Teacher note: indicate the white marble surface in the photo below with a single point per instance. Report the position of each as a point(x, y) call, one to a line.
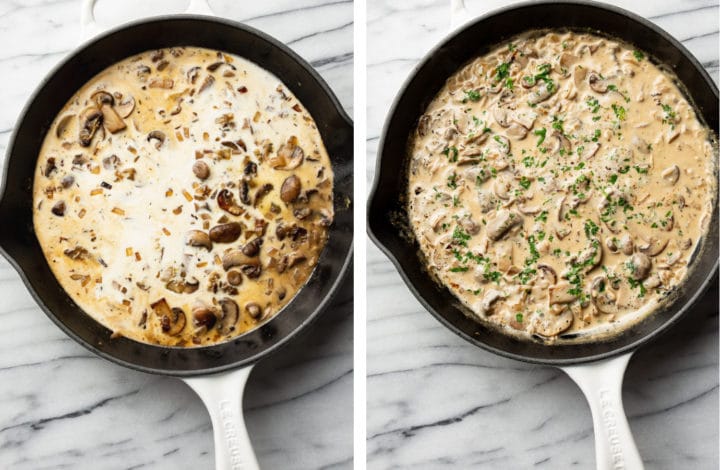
point(435, 401)
point(61, 407)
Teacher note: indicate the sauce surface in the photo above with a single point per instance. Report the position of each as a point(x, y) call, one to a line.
point(183, 196)
point(560, 184)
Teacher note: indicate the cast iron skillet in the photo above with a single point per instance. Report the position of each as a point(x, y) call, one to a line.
point(387, 218)
point(18, 242)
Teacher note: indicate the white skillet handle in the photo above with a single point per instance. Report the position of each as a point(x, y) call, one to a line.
point(222, 395)
point(601, 382)
point(458, 14)
point(89, 27)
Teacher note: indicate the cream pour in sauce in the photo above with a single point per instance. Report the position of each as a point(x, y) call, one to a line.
point(196, 209)
point(560, 184)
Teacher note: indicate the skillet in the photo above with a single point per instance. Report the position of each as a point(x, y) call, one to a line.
point(597, 367)
point(217, 373)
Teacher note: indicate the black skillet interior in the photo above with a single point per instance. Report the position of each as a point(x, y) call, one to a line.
point(386, 214)
point(20, 246)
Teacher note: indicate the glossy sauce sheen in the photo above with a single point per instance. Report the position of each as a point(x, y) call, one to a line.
point(560, 184)
point(126, 221)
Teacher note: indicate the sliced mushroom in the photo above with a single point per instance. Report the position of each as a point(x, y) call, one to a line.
point(253, 309)
point(172, 321)
point(226, 201)
point(640, 144)
point(230, 315)
point(589, 150)
point(501, 188)
point(125, 107)
point(547, 273)
point(183, 286)
point(262, 191)
point(485, 306)
point(516, 132)
point(58, 208)
point(234, 278)
point(198, 238)
point(639, 266)
point(602, 297)
point(501, 116)
point(225, 233)
point(290, 189)
point(90, 121)
point(668, 223)
point(625, 244)
point(201, 170)
point(63, 125)
point(501, 224)
point(653, 246)
point(204, 317)
point(527, 120)
point(596, 83)
point(235, 258)
point(158, 137)
point(562, 142)
point(560, 294)
point(502, 144)
point(671, 174)
point(550, 324)
point(529, 210)
point(289, 156)
point(207, 83)
point(192, 74)
point(541, 93)
point(112, 121)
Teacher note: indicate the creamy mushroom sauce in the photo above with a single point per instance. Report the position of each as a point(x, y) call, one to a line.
point(560, 184)
point(183, 196)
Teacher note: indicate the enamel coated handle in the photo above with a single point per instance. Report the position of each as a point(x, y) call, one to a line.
point(89, 26)
point(222, 395)
point(601, 382)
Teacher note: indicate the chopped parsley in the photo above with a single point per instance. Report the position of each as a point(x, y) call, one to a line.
point(613, 178)
point(525, 182)
point(452, 183)
point(638, 55)
point(593, 104)
point(542, 217)
point(460, 236)
point(670, 115)
point(502, 71)
point(619, 112)
point(451, 153)
point(540, 133)
point(459, 269)
point(472, 95)
point(596, 135)
point(519, 317)
point(591, 228)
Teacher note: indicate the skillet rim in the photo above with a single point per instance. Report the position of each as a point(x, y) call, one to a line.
point(344, 262)
point(631, 345)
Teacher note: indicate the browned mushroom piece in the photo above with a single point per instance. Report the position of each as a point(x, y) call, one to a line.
point(671, 174)
point(225, 233)
point(560, 293)
point(58, 208)
point(541, 93)
point(230, 315)
point(563, 143)
point(262, 191)
point(602, 297)
point(90, 121)
point(125, 107)
point(77, 253)
point(244, 192)
point(192, 74)
point(252, 248)
point(294, 259)
point(172, 321)
point(639, 266)
point(501, 116)
point(288, 157)
point(198, 238)
point(596, 83)
point(216, 65)
point(234, 278)
point(207, 83)
point(236, 258)
point(183, 286)
point(112, 121)
point(201, 170)
point(652, 246)
point(226, 201)
point(62, 125)
point(547, 273)
point(253, 309)
point(204, 317)
point(67, 181)
point(157, 136)
point(290, 189)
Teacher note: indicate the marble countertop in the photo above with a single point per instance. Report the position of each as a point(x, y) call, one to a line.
point(62, 407)
point(436, 401)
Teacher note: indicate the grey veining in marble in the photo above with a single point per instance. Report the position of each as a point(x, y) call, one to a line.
point(60, 406)
point(435, 401)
